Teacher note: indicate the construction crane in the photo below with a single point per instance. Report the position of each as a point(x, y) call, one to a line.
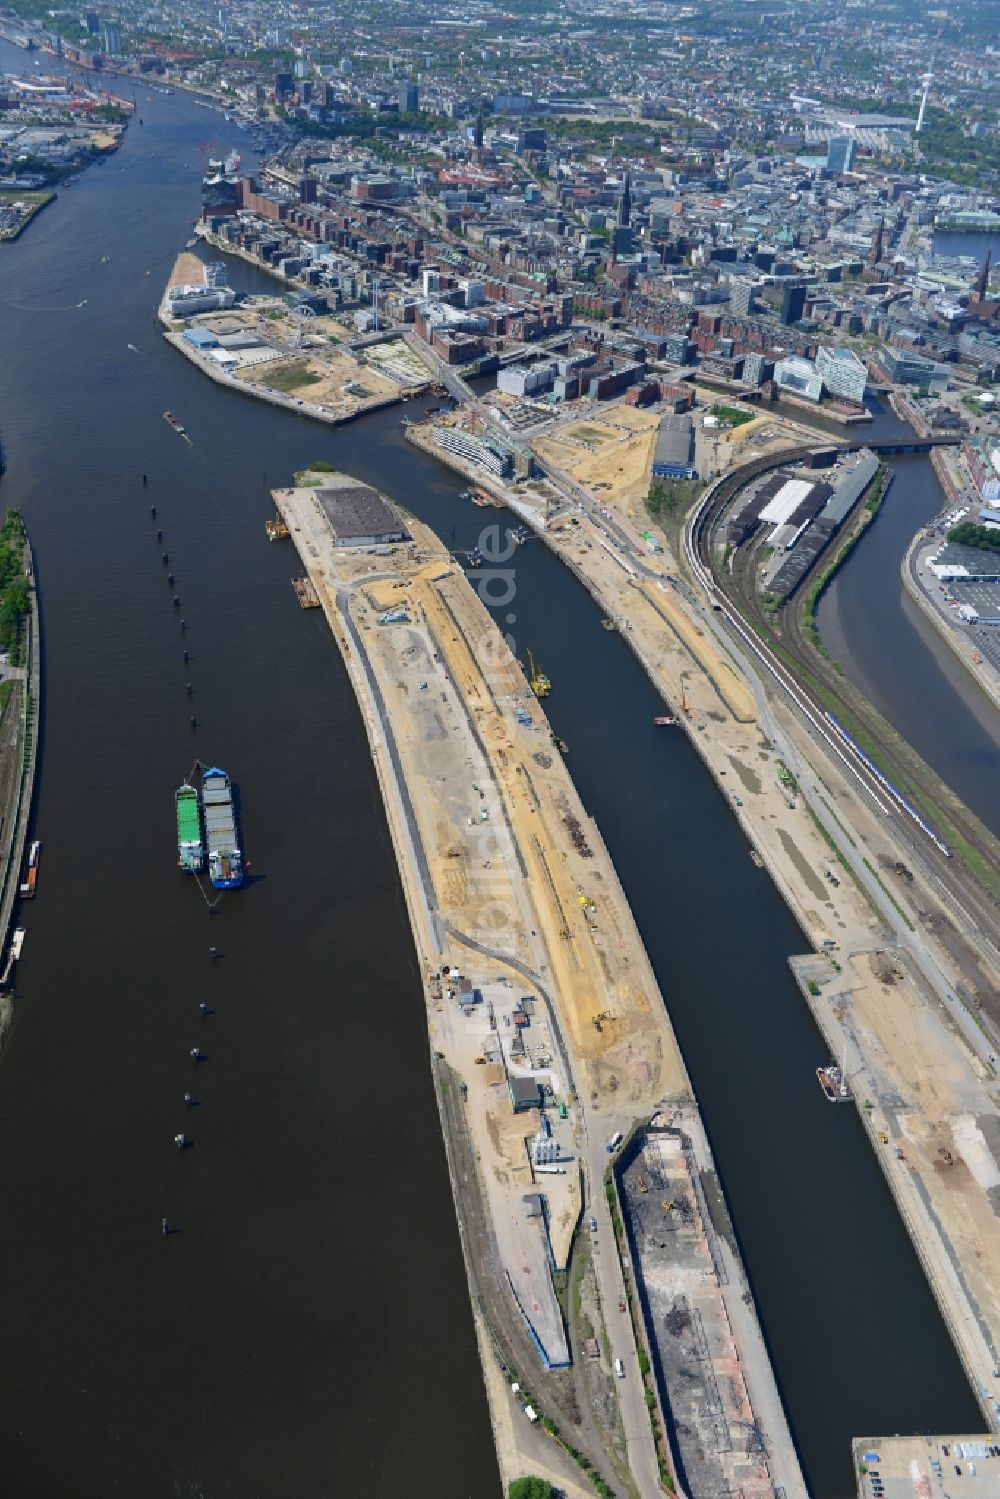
point(537, 680)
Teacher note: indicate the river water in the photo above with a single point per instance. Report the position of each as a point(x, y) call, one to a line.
point(307, 1331)
point(895, 655)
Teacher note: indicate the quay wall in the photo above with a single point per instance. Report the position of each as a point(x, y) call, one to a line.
point(963, 651)
point(272, 397)
point(27, 750)
point(921, 1233)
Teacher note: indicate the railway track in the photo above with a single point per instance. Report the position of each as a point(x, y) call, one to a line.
point(786, 657)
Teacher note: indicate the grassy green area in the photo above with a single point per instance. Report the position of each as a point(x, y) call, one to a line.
point(35, 201)
point(19, 195)
point(6, 688)
point(732, 415)
point(968, 534)
point(13, 585)
point(971, 403)
point(818, 587)
point(294, 377)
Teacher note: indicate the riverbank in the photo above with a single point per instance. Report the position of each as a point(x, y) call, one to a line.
point(446, 705)
point(938, 1159)
point(17, 777)
point(8, 233)
point(329, 370)
point(983, 672)
point(804, 821)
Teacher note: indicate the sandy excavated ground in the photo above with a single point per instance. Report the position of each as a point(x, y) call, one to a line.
point(335, 370)
point(188, 271)
point(611, 454)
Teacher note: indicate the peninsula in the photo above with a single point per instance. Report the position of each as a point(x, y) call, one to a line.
point(550, 1040)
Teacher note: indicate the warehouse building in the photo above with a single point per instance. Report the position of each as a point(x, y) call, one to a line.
point(358, 515)
point(674, 442)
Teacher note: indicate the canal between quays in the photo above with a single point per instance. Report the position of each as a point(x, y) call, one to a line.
point(307, 1329)
point(888, 648)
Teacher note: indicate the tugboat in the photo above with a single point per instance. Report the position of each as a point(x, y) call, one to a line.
point(665, 721)
point(834, 1085)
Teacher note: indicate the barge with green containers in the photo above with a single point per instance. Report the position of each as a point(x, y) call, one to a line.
point(190, 840)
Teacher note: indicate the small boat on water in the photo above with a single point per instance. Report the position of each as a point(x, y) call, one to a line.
point(172, 421)
point(665, 721)
point(276, 529)
point(755, 856)
point(832, 1081)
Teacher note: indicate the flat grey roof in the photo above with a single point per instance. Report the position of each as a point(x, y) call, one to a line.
point(359, 510)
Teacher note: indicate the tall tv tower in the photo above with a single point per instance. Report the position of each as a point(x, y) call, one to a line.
point(926, 80)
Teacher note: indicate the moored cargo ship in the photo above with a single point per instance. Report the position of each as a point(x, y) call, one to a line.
point(27, 890)
point(190, 843)
point(225, 862)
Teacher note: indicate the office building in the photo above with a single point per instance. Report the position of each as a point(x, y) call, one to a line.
point(531, 138)
point(409, 97)
point(621, 240)
point(757, 368)
point(903, 367)
point(678, 348)
point(843, 373)
point(799, 377)
point(284, 86)
point(93, 22)
point(112, 39)
point(793, 303)
point(741, 299)
point(840, 153)
point(484, 452)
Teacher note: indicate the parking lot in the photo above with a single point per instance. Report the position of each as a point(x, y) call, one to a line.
point(961, 1467)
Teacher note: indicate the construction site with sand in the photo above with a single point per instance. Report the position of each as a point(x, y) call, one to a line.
point(549, 1035)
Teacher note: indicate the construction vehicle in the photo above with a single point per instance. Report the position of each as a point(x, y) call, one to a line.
point(883, 1137)
point(537, 680)
point(667, 1204)
point(643, 1184)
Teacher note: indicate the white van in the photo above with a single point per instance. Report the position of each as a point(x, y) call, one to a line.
point(619, 1368)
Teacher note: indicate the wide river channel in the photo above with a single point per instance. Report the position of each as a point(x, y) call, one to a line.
point(307, 1332)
